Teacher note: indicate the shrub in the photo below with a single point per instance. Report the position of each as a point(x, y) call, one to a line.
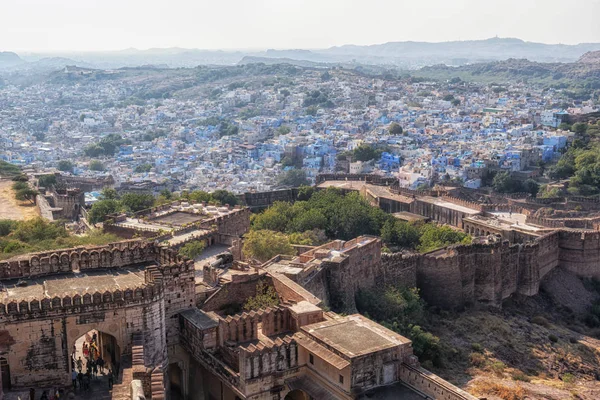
point(568, 378)
point(497, 367)
point(477, 347)
point(477, 359)
point(539, 320)
point(192, 249)
point(520, 376)
point(553, 338)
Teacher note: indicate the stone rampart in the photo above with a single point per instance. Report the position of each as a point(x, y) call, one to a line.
point(76, 304)
point(114, 255)
point(368, 178)
point(431, 385)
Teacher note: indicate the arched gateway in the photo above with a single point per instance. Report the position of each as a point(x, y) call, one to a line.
point(118, 292)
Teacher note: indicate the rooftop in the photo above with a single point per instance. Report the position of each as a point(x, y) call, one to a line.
point(355, 335)
point(73, 283)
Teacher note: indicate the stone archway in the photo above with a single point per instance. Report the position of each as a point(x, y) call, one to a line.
point(297, 395)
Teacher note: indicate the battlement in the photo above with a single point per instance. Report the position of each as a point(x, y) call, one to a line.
point(243, 327)
point(368, 178)
point(78, 303)
point(80, 259)
point(465, 203)
point(267, 358)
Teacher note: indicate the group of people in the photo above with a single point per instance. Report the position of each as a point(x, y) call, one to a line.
point(94, 363)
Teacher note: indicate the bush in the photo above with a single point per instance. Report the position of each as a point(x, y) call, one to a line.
point(568, 378)
point(520, 376)
point(266, 296)
point(477, 347)
point(477, 359)
point(539, 320)
point(497, 367)
point(193, 249)
point(553, 338)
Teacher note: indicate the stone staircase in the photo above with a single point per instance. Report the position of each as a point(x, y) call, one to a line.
point(121, 388)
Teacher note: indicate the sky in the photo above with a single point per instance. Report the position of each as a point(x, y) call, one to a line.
point(99, 25)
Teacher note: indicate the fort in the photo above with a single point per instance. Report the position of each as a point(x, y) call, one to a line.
point(164, 339)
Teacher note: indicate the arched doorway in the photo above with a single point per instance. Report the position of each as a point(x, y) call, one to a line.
point(5, 373)
point(95, 357)
point(175, 375)
point(297, 395)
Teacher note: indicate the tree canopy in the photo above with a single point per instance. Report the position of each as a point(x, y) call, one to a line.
point(263, 245)
point(293, 178)
point(395, 129)
point(192, 249)
point(65, 166)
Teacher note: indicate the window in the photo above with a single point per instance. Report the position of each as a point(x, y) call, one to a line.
point(342, 379)
point(311, 359)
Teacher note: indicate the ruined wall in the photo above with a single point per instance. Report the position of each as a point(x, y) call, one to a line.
point(260, 200)
point(234, 293)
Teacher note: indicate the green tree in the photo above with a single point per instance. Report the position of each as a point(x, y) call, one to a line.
point(102, 208)
point(192, 249)
point(143, 168)
point(224, 197)
point(283, 130)
point(26, 194)
point(503, 182)
point(109, 193)
point(47, 180)
point(266, 296)
point(435, 237)
point(293, 178)
point(96, 165)
point(365, 152)
point(65, 166)
point(395, 129)
point(531, 187)
point(137, 201)
point(263, 245)
point(312, 110)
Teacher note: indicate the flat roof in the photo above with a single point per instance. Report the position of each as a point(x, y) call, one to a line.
point(446, 204)
point(199, 318)
point(73, 283)
point(355, 335)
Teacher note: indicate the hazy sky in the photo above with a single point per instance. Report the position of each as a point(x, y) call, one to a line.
point(58, 25)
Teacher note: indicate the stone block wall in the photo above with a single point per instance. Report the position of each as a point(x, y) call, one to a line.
point(431, 385)
point(257, 362)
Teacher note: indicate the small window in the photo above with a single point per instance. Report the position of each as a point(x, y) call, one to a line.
point(342, 379)
point(311, 359)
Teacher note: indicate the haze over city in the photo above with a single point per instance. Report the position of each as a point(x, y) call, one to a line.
point(75, 25)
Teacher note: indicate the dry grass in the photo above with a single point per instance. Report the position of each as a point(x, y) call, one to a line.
point(10, 208)
point(489, 388)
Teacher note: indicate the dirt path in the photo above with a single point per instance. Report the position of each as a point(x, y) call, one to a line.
point(10, 208)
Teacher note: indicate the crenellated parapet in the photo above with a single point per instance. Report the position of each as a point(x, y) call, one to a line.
point(77, 303)
point(465, 203)
point(243, 327)
point(265, 359)
point(114, 255)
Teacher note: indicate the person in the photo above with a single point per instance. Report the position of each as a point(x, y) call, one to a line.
point(56, 394)
point(79, 364)
point(95, 369)
point(44, 395)
point(94, 337)
point(86, 381)
point(86, 350)
point(110, 379)
point(100, 363)
point(32, 394)
point(80, 379)
point(74, 379)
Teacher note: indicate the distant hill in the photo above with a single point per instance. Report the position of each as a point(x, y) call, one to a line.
point(409, 55)
point(591, 57)
point(581, 76)
point(9, 59)
point(462, 52)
